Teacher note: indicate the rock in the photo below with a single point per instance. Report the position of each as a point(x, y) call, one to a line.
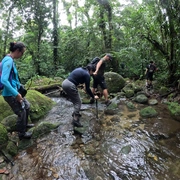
point(114, 81)
point(141, 99)
point(148, 112)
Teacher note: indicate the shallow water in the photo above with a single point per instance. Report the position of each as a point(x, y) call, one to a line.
point(116, 147)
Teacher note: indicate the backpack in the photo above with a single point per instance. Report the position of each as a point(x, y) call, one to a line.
point(10, 76)
point(151, 68)
point(95, 61)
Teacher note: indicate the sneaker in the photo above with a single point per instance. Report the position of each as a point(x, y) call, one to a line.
point(30, 125)
point(108, 102)
point(77, 123)
point(26, 135)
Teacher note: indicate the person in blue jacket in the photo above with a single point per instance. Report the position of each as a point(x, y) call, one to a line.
point(11, 87)
point(78, 76)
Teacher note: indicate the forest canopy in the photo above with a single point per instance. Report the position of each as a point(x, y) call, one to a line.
point(134, 32)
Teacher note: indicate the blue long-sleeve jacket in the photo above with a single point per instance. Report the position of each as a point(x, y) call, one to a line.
point(81, 76)
point(10, 86)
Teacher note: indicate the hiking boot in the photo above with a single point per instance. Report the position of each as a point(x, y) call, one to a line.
point(77, 123)
point(108, 102)
point(26, 135)
point(30, 125)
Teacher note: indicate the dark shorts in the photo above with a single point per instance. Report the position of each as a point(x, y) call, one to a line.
point(149, 76)
point(99, 80)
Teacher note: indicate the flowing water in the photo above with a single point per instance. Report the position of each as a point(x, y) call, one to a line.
point(113, 147)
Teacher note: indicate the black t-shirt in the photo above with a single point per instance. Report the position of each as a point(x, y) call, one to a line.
point(151, 68)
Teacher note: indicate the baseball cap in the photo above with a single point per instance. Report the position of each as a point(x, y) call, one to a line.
point(110, 56)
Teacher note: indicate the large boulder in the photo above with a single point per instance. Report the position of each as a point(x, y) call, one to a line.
point(115, 82)
point(40, 104)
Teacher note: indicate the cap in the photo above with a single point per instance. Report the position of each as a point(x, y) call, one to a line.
point(110, 56)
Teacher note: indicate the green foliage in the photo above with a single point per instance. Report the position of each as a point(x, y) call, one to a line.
point(135, 33)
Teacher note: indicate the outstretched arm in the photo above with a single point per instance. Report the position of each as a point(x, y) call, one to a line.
point(98, 66)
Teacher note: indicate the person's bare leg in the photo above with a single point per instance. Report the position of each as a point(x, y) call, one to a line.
point(93, 90)
point(105, 93)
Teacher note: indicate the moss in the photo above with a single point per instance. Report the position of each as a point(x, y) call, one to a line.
point(43, 128)
point(12, 148)
point(40, 104)
point(38, 81)
point(148, 112)
point(174, 109)
point(3, 134)
point(5, 109)
point(10, 122)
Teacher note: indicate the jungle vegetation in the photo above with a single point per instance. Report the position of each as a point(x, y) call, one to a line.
point(134, 32)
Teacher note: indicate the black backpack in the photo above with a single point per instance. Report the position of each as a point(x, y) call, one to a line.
point(95, 61)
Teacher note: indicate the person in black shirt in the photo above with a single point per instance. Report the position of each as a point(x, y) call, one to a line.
point(150, 69)
point(78, 76)
point(99, 79)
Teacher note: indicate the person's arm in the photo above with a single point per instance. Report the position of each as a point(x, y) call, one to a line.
point(87, 86)
point(6, 71)
point(99, 65)
point(146, 71)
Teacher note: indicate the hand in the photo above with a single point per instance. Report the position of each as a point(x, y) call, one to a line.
point(19, 98)
point(96, 97)
point(95, 73)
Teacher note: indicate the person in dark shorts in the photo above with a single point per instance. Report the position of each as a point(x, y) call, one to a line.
point(150, 69)
point(99, 79)
point(78, 76)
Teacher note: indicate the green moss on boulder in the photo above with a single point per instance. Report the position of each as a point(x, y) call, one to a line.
point(42, 129)
point(148, 112)
point(5, 110)
point(12, 148)
point(174, 109)
point(3, 134)
point(115, 82)
point(40, 104)
point(10, 122)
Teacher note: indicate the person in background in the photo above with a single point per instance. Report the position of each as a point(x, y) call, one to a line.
point(78, 76)
point(99, 79)
point(11, 87)
point(150, 69)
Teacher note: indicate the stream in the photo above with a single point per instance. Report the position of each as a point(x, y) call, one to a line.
point(123, 146)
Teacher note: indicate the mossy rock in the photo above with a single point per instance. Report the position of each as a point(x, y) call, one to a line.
point(174, 109)
point(163, 90)
point(112, 109)
point(42, 81)
point(141, 98)
point(42, 129)
point(130, 106)
point(10, 122)
point(129, 93)
point(5, 110)
point(148, 112)
point(114, 81)
point(40, 104)
point(3, 134)
point(12, 148)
